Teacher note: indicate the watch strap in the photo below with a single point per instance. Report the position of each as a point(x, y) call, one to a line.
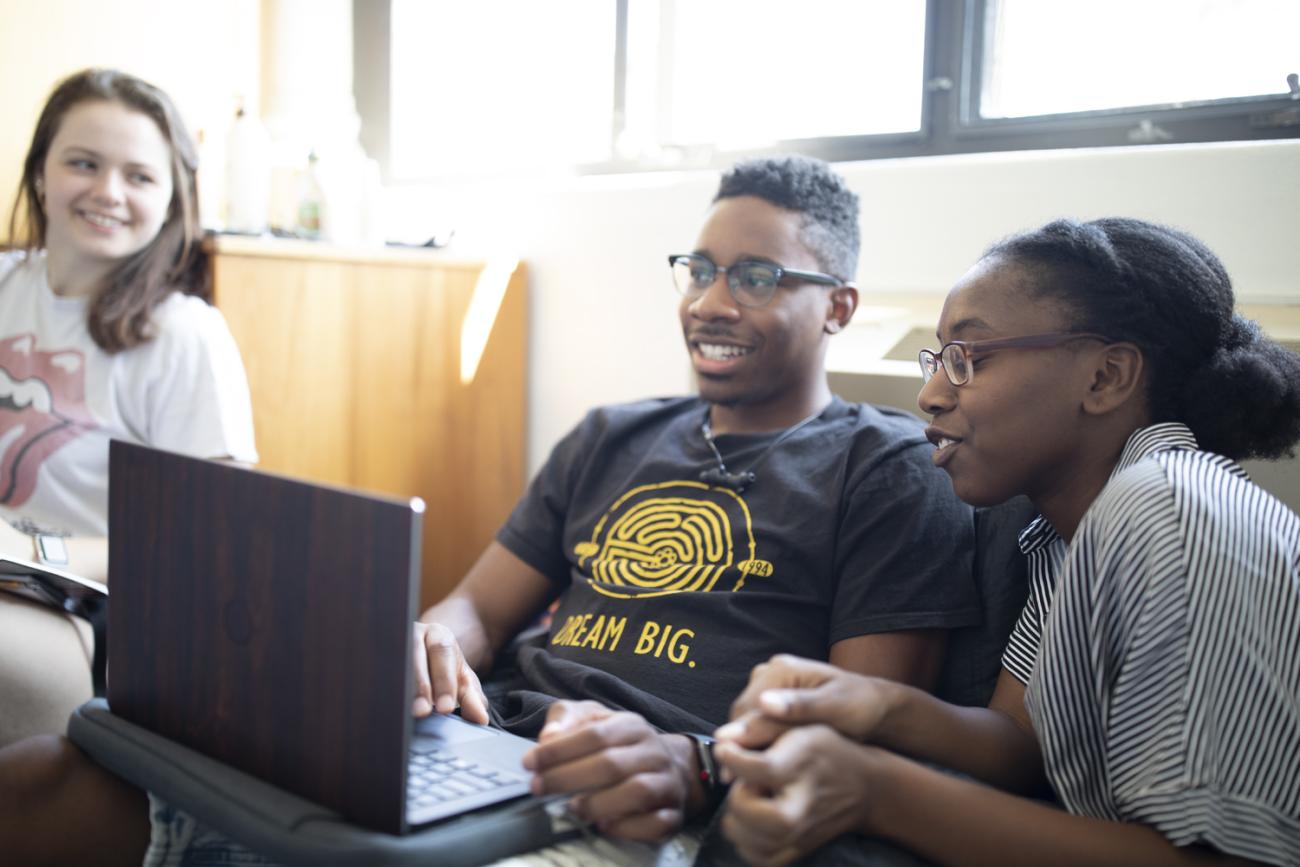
point(714, 789)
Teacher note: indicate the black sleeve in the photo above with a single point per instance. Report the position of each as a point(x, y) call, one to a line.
point(905, 551)
point(534, 532)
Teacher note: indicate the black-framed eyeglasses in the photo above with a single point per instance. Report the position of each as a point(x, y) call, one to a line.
point(751, 283)
point(956, 358)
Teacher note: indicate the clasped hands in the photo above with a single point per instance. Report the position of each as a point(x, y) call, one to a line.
point(795, 756)
point(793, 751)
point(627, 779)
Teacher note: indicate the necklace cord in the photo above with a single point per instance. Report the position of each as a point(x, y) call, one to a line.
point(740, 480)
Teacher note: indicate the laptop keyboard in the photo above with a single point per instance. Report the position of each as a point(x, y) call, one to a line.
point(437, 776)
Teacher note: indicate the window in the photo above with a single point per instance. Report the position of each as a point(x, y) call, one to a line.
point(478, 85)
point(1052, 58)
point(475, 86)
point(737, 74)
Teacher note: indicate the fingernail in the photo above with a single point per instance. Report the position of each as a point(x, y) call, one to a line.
point(775, 702)
point(422, 706)
point(529, 761)
point(730, 730)
point(537, 787)
point(446, 704)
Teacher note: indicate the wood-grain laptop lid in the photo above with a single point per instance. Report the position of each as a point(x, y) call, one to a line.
point(265, 622)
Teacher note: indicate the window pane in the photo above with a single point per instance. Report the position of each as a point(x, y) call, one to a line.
point(748, 72)
point(499, 84)
point(1050, 56)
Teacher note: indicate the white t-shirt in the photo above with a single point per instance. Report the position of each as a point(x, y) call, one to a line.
point(62, 398)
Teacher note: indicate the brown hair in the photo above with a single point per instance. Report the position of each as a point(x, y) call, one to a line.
point(119, 314)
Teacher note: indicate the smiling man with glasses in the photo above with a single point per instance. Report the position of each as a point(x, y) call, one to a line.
point(690, 539)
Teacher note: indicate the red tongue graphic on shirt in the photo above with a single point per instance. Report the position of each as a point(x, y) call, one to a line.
point(42, 408)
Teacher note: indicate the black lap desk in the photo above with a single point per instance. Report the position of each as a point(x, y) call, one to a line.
point(286, 827)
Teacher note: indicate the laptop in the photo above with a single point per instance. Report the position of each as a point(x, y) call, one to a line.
point(267, 622)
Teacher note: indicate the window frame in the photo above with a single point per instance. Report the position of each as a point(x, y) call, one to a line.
point(950, 121)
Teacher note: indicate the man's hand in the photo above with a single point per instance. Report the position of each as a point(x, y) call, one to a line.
point(807, 788)
point(444, 681)
point(787, 691)
point(629, 780)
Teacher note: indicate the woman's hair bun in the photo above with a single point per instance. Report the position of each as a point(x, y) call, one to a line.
point(1242, 402)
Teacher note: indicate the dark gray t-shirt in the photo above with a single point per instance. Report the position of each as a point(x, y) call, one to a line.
point(679, 587)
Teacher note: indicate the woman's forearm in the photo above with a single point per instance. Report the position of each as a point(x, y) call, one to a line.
point(980, 742)
point(954, 821)
point(87, 556)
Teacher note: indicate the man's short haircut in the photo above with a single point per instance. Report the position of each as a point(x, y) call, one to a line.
point(812, 189)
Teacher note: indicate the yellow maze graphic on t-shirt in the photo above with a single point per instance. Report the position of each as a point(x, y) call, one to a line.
point(672, 537)
point(667, 543)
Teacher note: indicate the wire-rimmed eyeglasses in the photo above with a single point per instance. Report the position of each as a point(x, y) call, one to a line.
point(956, 358)
point(751, 283)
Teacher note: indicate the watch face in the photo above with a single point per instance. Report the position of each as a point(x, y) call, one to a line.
point(708, 764)
point(52, 549)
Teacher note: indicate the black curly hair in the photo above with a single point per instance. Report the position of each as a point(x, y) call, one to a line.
point(1166, 292)
point(811, 188)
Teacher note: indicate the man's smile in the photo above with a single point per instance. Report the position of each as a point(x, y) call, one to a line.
point(711, 356)
point(721, 351)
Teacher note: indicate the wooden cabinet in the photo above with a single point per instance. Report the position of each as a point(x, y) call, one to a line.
point(361, 369)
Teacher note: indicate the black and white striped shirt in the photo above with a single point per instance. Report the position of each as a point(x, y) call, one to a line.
point(1161, 652)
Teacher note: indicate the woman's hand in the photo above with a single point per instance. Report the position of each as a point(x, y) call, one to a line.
point(788, 691)
point(87, 555)
point(15, 543)
point(630, 780)
point(807, 788)
point(444, 680)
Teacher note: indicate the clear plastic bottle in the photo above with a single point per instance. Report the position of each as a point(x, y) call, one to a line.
point(248, 175)
point(211, 181)
point(311, 200)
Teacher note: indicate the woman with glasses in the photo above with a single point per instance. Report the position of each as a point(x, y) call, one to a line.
point(1152, 684)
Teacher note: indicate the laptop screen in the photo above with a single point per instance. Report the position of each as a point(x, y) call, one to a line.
point(265, 622)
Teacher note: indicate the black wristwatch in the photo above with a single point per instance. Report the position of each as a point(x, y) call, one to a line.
point(714, 789)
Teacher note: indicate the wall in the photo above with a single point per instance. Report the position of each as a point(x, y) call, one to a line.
point(604, 322)
point(202, 53)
